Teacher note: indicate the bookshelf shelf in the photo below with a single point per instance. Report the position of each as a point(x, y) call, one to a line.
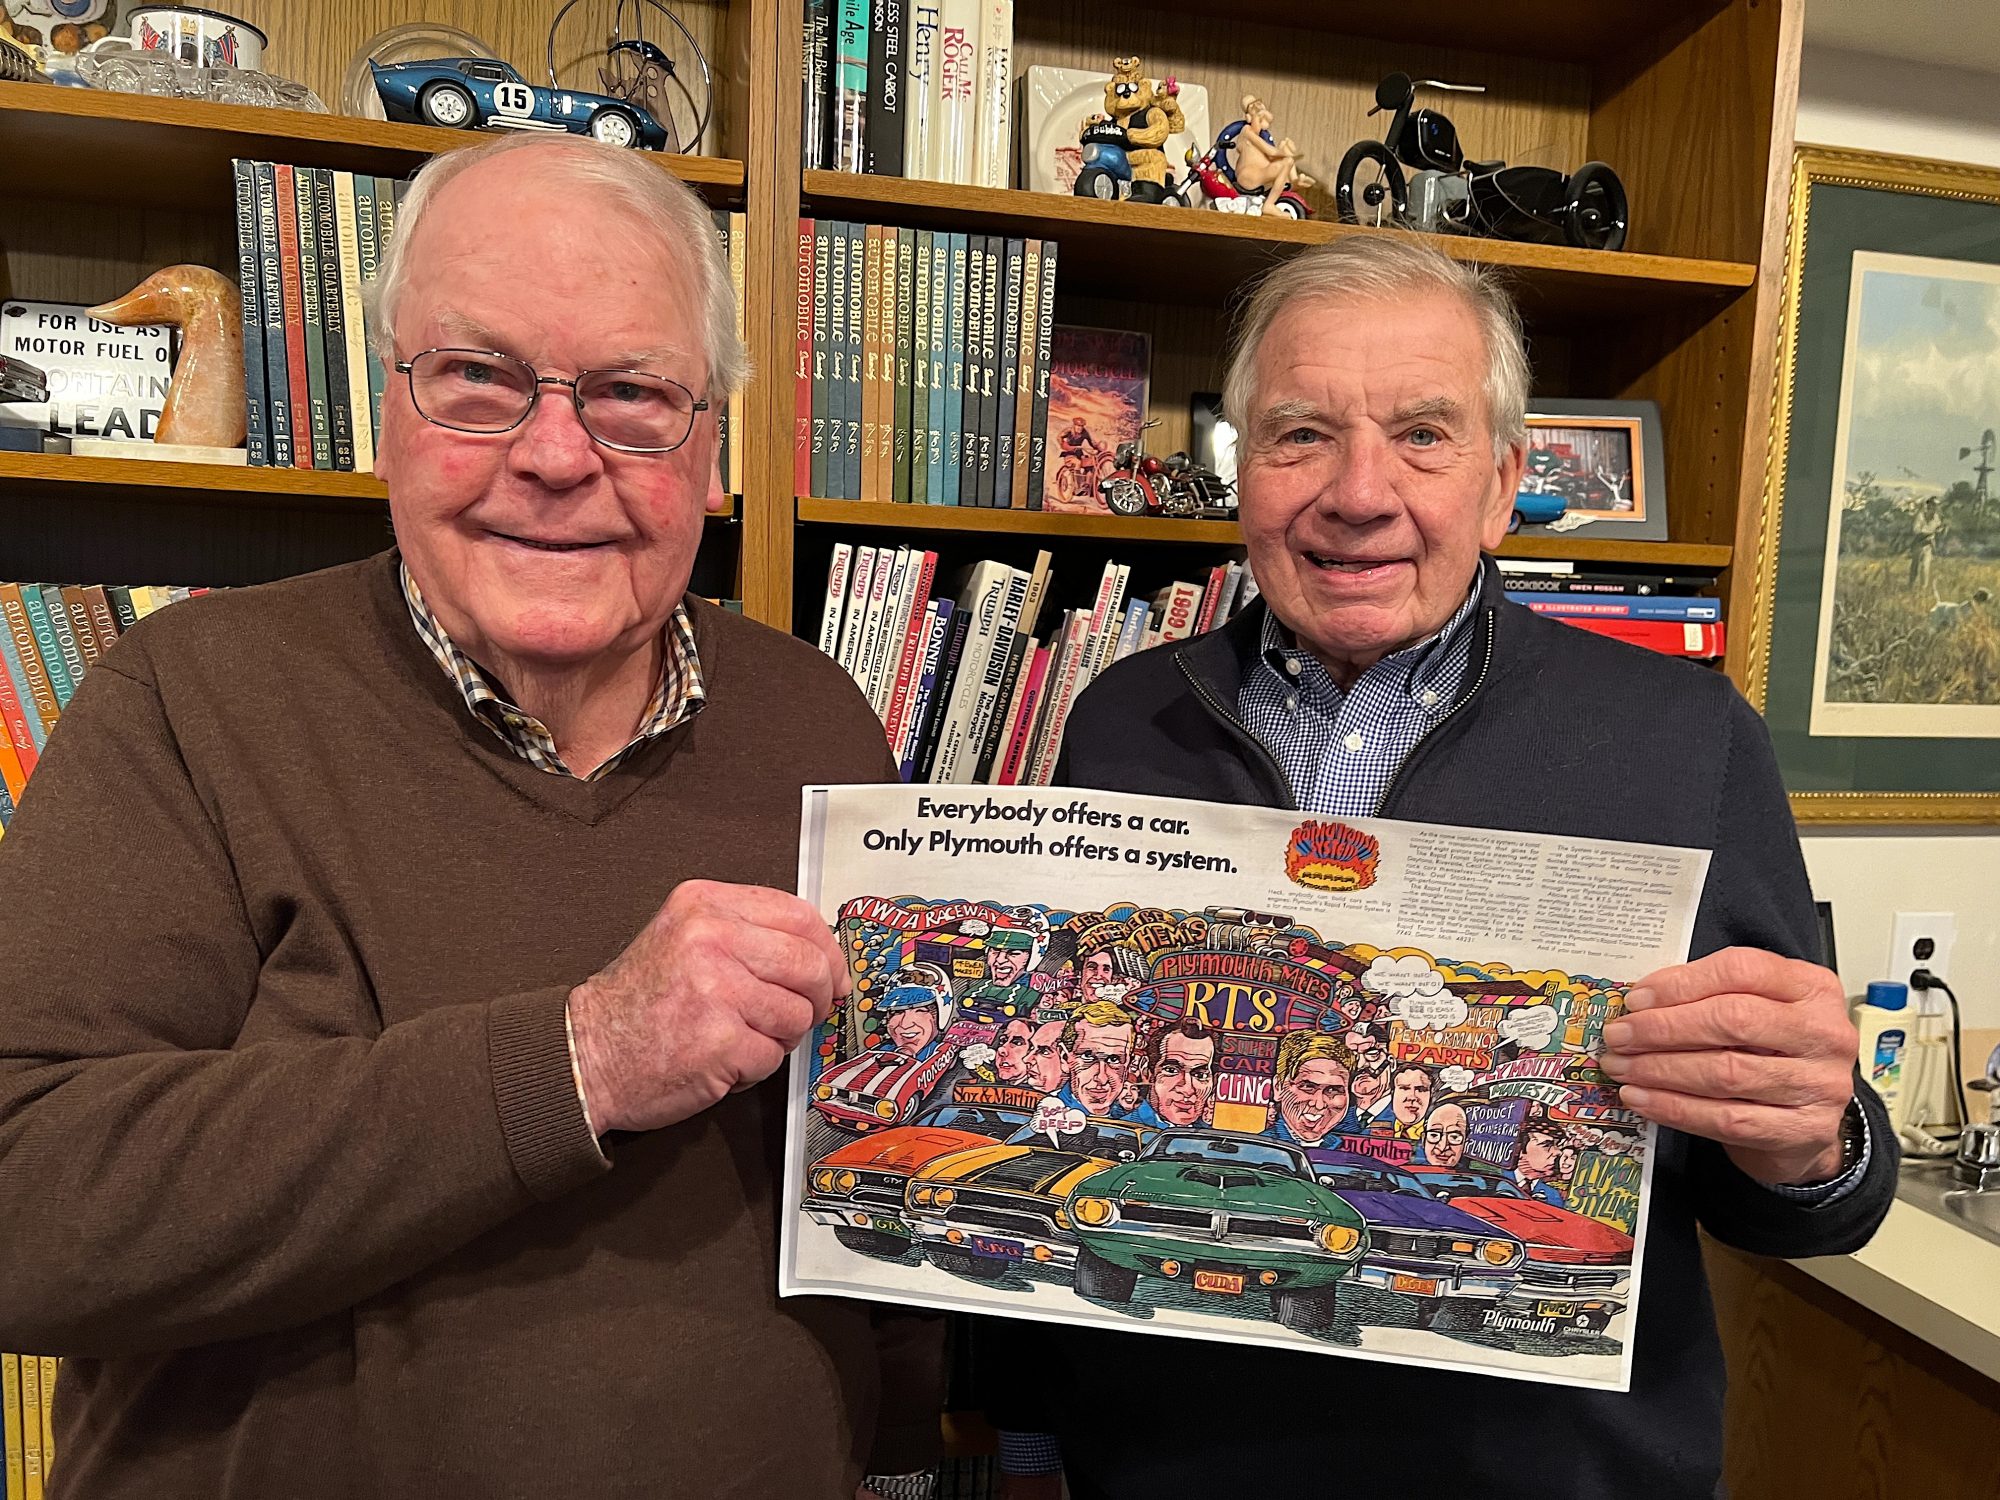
point(1141, 249)
point(1545, 28)
point(82, 144)
point(1212, 533)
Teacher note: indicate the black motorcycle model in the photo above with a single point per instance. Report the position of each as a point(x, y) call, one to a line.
point(1139, 484)
point(1444, 192)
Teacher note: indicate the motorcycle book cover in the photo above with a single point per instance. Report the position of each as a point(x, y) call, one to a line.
point(1097, 400)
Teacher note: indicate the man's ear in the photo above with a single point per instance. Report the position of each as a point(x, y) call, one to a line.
point(1506, 484)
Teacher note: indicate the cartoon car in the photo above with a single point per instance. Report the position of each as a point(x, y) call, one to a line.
point(1221, 1213)
point(470, 93)
point(1577, 1273)
point(881, 1088)
point(1419, 1247)
point(982, 1210)
point(857, 1189)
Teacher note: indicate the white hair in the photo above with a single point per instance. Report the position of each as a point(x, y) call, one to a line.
point(1383, 266)
point(640, 185)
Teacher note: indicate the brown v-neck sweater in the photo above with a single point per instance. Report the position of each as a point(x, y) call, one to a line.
point(291, 1162)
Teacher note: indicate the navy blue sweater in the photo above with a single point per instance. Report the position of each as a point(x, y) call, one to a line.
point(1559, 732)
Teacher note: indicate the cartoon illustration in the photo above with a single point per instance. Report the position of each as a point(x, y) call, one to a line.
point(1225, 1111)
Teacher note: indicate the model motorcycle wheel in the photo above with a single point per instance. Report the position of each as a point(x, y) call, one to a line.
point(448, 105)
point(1126, 497)
point(1595, 216)
point(1369, 187)
point(614, 127)
point(1095, 182)
point(1285, 206)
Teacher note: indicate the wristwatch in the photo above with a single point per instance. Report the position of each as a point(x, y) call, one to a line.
point(1853, 1138)
point(903, 1486)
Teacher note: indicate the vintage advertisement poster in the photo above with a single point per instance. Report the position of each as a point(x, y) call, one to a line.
point(1230, 1073)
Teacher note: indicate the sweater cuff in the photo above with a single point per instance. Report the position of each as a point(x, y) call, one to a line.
point(542, 1117)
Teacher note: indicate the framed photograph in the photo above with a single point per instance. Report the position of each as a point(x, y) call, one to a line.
point(1213, 440)
point(1874, 640)
point(1594, 469)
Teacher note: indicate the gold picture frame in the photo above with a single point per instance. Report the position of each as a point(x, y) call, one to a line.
point(1853, 216)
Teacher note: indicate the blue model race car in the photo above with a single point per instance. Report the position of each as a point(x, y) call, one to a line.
point(471, 93)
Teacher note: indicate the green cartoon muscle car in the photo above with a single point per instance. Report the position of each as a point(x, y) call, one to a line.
point(1228, 1215)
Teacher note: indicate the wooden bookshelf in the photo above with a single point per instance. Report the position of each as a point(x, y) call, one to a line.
point(1045, 523)
point(1157, 250)
point(69, 143)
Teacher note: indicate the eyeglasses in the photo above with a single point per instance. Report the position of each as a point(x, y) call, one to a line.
point(477, 390)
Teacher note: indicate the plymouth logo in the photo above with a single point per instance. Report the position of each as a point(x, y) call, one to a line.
point(1331, 857)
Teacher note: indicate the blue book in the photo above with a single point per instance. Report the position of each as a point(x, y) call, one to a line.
point(11, 655)
point(257, 431)
point(1620, 606)
point(937, 626)
point(6, 817)
point(46, 643)
point(954, 372)
point(1137, 613)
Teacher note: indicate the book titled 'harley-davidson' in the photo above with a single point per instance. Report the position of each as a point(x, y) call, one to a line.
point(1097, 400)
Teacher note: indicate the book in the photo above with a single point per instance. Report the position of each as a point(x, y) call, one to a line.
point(1007, 378)
point(905, 350)
point(31, 1426)
point(882, 598)
point(87, 643)
point(874, 314)
point(1038, 418)
point(937, 632)
point(737, 448)
point(860, 580)
point(1625, 607)
point(257, 433)
point(277, 345)
point(25, 662)
point(816, 59)
point(368, 252)
point(910, 625)
point(882, 131)
point(917, 417)
point(823, 416)
point(333, 315)
point(1097, 400)
point(993, 127)
point(954, 660)
point(802, 374)
point(983, 598)
point(835, 608)
point(53, 636)
point(1025, 716)
point(954, 127)
point(49, 1370)
point(976, 248)
point(1021, 344)
point(14, 768)
point(353, 323)
point(992, 312)
point(857, 251)
point(1006, 675)
point(940, 332)
point(850, 85)
point(952, 422)
point(836, 363)
point(920, 96)
point(10, 1423)
point(1702, 640)
point(314, 332)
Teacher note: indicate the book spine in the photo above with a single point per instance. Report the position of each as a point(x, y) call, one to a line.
point(80, 628)
point(1225, 605)
point(1179, 609)
point(895, 632)
point(347, 232)
point(994, 128)
point(982, 601)
point(1038, 420)
point(17, 741)
point(850, 86)
point(1702, 640)
point(1628, 607)
point(923, 572)
point(257, 434)
point(739, 251)
point(858, 585)
point(368, 254)
point(919, 87)
point(968, 419)
point(937, 625)
point(1021, 350)
point(802, 375)
point(992, 311)
point(857, 264)
point(993, 683)
point(1211, 596)
point(952, 460)
point(943, 692)
point(889, 567)
point(836, 372)
point(956, 125)
point(1024, 722)
point(823, 417)
point(725, 427)
point(50, 1366)
point(103, 622)
point(10, 1423)
point(1006, 674)
point(25, 659)
point(121, 606)
point(815, 134)
point(874, 307)
point(53, 635)
point(1006, 385)
point(277, 349)
point(918, 416)
point(906, 271)
point(1057, 699)
point(835, 606)
point(31, 1427)
point(333, 314)
point(883, 136)
point(314, 333)
point(937, 338)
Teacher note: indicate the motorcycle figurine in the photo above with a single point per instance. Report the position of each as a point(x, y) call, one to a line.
point(1206, 176)
point(1141, 485)
point(1447, 193)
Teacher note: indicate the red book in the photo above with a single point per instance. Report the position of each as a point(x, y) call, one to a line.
point(15, 736)
point(1702, 640)
point(802, 388)
point(1211, 597)
point(295, 317)
point(912, 650)
point(1016, 759)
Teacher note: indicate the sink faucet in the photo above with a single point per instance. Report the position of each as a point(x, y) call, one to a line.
point(1978, 1162)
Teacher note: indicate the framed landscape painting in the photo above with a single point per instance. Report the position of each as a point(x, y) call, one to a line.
point(1875, 636)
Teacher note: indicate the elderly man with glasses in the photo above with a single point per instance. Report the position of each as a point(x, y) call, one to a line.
point(396, 964)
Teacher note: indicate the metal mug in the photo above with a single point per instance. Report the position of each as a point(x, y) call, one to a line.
point(205, 38)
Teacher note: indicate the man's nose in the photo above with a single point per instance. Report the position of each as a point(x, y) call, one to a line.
point(1359, 486)
point(552, 445)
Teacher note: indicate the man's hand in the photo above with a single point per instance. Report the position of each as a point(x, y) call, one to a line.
point(1746, 1048)
point(709, 998)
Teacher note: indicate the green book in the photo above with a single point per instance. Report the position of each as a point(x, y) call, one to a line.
point(315, 320)
point(42, 624)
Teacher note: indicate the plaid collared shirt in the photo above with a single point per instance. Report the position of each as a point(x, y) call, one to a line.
point(677, 697)
point(1341, 749)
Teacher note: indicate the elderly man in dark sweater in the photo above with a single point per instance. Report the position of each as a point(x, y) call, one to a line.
point(1379, 389)
point(395, 964)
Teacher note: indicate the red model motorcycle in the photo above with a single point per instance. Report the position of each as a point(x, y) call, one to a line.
point(1141, 485)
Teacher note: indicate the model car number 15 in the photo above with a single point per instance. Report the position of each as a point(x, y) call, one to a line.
point(513, 99)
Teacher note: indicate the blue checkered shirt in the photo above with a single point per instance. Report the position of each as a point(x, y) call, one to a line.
point(1340, 748)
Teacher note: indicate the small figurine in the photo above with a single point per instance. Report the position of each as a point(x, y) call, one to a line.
point(1124, 148)
point(205, 397)
point(1247, 171)
point(470, 93)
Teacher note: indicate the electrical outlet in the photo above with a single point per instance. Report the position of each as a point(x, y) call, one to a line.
point(1912, 928)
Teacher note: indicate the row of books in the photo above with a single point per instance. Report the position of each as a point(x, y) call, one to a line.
point(923, 363)
point(1663, 612)
point(966, 689)
point(50, 634)
point(910, 89)
point(27, 1392)
point(308, 239)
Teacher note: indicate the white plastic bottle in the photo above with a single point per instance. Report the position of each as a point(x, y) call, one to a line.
point(1883, 1020)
